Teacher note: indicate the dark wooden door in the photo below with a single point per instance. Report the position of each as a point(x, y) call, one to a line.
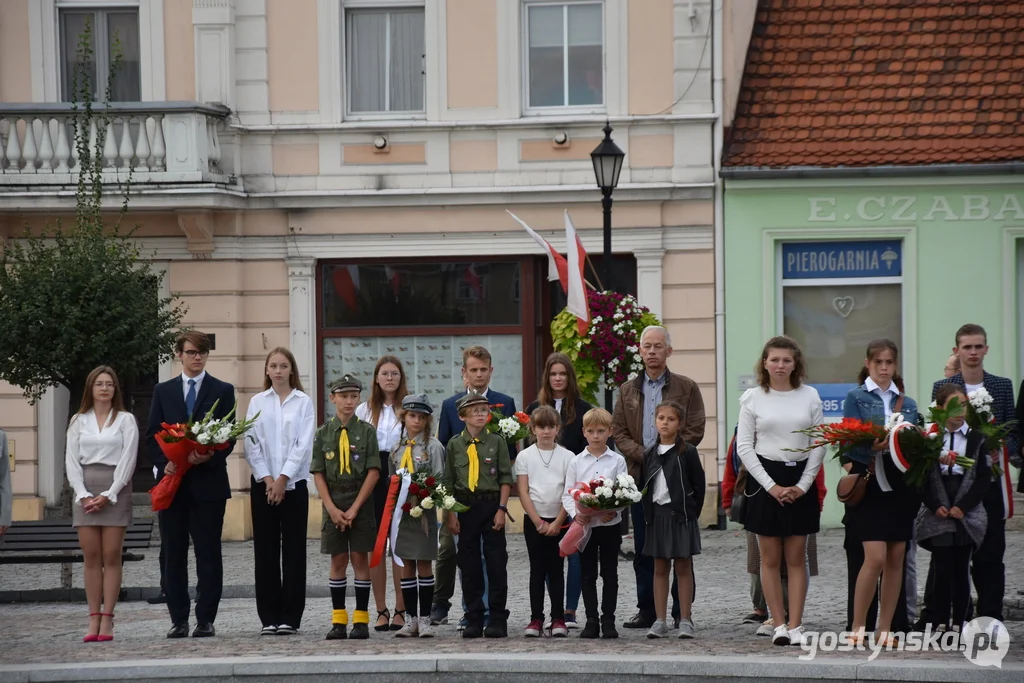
point(138, 394)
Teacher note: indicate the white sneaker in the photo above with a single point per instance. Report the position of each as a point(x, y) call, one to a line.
point(426, 630)
point(767, 628)
point(659, 629)
point(796, 635)
point(686, 629)
point(411, 629)
point(781, 635)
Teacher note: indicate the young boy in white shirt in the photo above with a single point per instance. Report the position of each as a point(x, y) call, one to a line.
point(602, 550)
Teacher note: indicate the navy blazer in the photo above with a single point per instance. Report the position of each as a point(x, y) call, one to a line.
point(208, 481)
point(449, 424)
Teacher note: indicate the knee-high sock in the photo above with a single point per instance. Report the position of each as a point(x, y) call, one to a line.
point(338, 613)
point(426, 584)
point(361, 616)
point(409, 595)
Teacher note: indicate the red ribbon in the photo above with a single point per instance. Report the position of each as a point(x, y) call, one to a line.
point(385, 523)
point(1005, 483)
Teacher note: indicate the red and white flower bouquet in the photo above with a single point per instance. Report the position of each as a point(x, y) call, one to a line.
point(598, 496)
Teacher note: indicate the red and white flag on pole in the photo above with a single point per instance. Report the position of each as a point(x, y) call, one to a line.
point(576, 292)
point(558, 268)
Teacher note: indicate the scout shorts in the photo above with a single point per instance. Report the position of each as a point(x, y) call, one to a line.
point(358, 538)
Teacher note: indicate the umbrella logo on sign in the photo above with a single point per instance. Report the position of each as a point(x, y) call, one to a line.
point(843, 305)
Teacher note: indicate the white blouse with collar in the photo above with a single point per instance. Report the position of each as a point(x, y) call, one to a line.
point(116, 445)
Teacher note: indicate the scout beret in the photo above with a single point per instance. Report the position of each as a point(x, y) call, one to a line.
point(347, 383)
point(472, 398)
point(417, 403)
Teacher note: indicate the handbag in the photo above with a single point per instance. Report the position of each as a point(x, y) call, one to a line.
point(738, 511)
point(851, 488)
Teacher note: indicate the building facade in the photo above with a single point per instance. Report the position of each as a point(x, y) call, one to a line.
point(333, 176)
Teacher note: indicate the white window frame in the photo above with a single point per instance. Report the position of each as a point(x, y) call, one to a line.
point(381, 5)
point(44, 45)
point(528, 109)
point(101, 44)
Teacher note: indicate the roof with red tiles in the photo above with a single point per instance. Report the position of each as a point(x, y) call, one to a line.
point(860, 83)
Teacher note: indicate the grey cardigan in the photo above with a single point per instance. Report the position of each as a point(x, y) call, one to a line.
point(968, 498)
point(6, 489)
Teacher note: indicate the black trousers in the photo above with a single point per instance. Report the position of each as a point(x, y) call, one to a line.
point(952, 584)
point(547, 566)
point(202, 521)
point(279, 547)
point(854, 561)
point(476, 524)
point(601, 554)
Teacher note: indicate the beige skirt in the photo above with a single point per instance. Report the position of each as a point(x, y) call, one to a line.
point(98, 479)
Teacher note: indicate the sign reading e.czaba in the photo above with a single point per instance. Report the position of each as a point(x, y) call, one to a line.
point(951, 207)
point(831, 260)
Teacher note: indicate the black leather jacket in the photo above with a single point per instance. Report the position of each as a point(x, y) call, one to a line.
point(684, 476)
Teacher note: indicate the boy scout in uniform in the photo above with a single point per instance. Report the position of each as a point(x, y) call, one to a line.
point(479, 473)
point(345, 468)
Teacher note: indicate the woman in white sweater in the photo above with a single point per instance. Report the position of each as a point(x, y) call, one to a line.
point(783, 499)
point(102, 444)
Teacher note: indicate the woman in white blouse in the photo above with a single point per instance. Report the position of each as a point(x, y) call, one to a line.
point(782, 506)
point(279, 456)
point(389, 388)
point(102, 445)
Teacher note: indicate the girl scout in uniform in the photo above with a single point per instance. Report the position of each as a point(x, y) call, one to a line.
point(479, 472)
point(417, 451)
point(345, 468)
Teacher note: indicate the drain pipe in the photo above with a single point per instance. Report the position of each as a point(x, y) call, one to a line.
point(717, 67)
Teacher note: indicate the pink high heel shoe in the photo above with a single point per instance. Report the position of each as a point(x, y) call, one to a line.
point(104, 638)
point(92, 637)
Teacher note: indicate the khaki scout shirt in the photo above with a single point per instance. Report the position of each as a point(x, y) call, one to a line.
point(495, 466)
point(362, 439)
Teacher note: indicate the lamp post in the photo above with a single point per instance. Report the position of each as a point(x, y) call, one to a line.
point(607, 159)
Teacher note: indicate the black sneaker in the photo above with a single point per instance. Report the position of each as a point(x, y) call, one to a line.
point(641, 620)
point(496, 629)
point(359, 632)
point(608, 629)
point(473, 630)
point(337, 632)
point(591, 630)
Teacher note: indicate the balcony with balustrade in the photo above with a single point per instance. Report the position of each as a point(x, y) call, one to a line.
point(152, 144)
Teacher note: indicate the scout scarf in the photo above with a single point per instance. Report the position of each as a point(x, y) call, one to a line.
point(345, 466)
point(474, 463)
point(408, 464)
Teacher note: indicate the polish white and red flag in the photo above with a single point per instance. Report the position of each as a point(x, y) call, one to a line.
point(576, 292)
point(558, 267)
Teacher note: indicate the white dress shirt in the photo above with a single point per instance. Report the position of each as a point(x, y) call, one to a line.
point(888, 396)
point(959, 447)
point(199, 383)
point(284, 436)
point(389, 429)
point(587, 466)
point(767, 427)
point(116, 445)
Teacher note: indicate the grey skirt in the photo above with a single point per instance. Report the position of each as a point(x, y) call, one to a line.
point(670, 535)
point(98, 479)
point(417, 538)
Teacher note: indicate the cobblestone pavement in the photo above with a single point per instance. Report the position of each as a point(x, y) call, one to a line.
point(51, 632)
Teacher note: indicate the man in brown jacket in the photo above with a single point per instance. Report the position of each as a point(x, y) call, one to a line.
point(634, 432)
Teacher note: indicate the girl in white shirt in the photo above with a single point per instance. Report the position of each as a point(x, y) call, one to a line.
point(102, 445)
point(279, 453)
point(782, 506)
point(540, 481)
point(389, 388)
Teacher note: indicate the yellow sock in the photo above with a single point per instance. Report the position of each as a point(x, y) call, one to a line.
point(340, 616)
point(360, 616)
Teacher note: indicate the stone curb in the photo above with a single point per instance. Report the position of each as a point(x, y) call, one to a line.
point(474, 667)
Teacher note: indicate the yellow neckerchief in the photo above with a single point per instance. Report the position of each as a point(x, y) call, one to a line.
point(474, 462)
point(344, 465)
point(407, 463)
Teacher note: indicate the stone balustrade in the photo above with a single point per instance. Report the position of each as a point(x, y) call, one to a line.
point(154, 142)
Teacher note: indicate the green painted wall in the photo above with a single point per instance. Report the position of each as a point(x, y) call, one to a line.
point(959, 265)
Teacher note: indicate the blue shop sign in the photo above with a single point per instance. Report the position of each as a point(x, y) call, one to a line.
point(832, 397)
point(825, 260)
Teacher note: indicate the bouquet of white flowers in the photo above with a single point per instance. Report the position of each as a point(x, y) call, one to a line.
point(598, 495)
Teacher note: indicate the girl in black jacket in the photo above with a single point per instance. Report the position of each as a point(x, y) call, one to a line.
point(673, 485)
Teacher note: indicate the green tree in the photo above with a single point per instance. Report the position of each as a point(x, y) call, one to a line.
point(75, 297)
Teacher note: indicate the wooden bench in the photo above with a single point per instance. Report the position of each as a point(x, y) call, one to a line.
point(55, 541)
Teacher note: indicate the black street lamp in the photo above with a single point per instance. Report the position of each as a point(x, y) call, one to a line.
point(607, 159)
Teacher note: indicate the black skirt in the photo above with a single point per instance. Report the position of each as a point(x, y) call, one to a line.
point(380, 490)
point(766, 517)
point(884, 515)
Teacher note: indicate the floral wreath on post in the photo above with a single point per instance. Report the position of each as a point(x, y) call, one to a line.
point(611, 346)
